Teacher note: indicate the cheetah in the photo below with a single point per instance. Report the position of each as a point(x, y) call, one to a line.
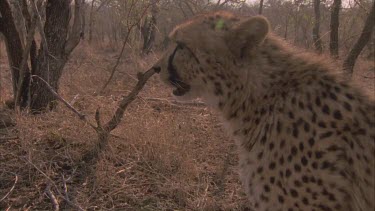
point(305, 136)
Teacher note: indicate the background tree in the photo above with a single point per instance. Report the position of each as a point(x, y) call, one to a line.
point(57, 43)
point(148, 29)
point(334, 35)
point(316, 29)
point(14, 47)
point(260, 7)
point(361, 42)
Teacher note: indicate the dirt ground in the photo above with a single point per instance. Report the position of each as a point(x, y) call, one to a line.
point(163, 156)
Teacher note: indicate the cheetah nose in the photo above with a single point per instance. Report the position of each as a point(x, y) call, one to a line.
point(157, 69)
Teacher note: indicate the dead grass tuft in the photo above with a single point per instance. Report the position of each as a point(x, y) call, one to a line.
point(161, 157)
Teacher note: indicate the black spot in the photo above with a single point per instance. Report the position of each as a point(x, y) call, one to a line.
point(260, 169)
point(297, 167)
point(325, 165)
point(264, 198)
point(282, 144)
point(317, 101)
point(305, 179)
point(297, 183)
point(293, 193)
point(301, 146)
point(319, 154)
point(295, 132)
point(311, 142)
point(305, 201)
point(272, 165)
point(347, 106)
point(272, 180)
point(294, 150)
point(326, 109)
point(301, 105)
point(306, 127)
point(281, 199)
point(278, 126)
point(271, 146)
point(337, 89)
point(326, 135)
point(349, 96)
point(333, 96)
point(337, 115)
point(322, 124)
point(304, 161)
point(288, 173)
point(294, 100)
point(267, 188)
point(260, 155)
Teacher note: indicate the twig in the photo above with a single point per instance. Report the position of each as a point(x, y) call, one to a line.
point(81, 116)
point(130, 28)
point(12, 188)
point(196, 103)
point(66, 196)
point(116, 119)
point(53, 198)
point(105, 130)
point(54, 185)
point(8, 138)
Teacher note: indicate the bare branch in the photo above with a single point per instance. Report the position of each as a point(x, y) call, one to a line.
point(12, 188)
point(102, 4)
point(81, 116)
point(52, 197)
point(116, 119)
point(130, 28)
point(8, 138)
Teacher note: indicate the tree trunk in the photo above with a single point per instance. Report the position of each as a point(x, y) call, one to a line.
point(54, 52)
point(260, 7)
point(334, 36)
point(316, 33)
point(361, 42)
point(92, 18)
point(51, 63)
point(149, 29)
point(14, 48)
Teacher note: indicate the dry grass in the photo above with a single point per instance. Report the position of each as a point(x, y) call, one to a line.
point(161, 157)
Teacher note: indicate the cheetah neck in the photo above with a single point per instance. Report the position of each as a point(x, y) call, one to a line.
point(271, 72)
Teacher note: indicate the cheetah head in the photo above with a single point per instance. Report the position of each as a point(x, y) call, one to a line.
point(204, 51)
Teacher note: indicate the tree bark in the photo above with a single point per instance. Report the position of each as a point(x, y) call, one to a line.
point(92, 18)
point(316, 33)
point(149, 29)
point(334, 36)
point(14, 48)
point(361, 42)
point(33, 50)
point(59, 45)
point(261, 7)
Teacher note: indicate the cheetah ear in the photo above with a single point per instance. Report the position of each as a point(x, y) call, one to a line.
point(246, 35)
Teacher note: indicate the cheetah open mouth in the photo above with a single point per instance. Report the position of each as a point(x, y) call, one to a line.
point(181, 87)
